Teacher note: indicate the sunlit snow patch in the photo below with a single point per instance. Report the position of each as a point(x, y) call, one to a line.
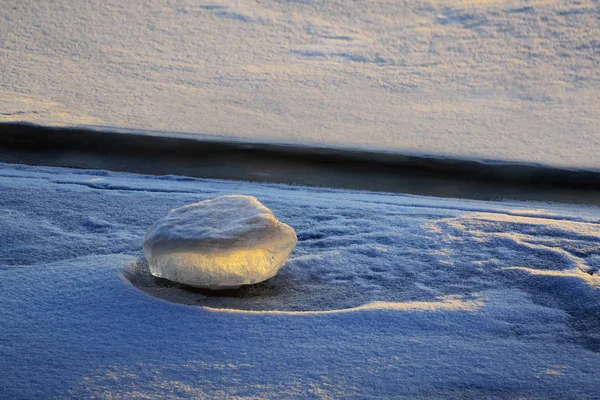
point(219, 244)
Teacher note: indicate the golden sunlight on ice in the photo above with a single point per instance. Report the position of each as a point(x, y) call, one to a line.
point(445, 303)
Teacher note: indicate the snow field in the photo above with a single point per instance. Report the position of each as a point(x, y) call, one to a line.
point(509, 80)
point(384, 295)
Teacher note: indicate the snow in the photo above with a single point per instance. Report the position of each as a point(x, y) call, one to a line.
point(384, 296)
point(221, 243)
point(512, 80)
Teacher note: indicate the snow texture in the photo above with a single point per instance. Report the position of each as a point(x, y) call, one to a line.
point(385, 296)
point(219, 244)
point(513, 79)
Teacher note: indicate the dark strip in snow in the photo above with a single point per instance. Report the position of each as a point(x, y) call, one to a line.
point(212, 157)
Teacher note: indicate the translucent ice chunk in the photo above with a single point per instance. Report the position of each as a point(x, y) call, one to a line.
point(219, 244)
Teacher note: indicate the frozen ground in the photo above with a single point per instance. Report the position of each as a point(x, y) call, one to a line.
point(510, 79)
point(385, 295)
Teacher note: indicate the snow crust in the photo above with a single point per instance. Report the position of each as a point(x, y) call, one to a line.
point(385, 296)
point(219, 244)
point(513, 80)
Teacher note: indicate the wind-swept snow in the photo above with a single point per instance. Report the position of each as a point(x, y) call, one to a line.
point(512, 79)
point(385, 295)
point(221, 243)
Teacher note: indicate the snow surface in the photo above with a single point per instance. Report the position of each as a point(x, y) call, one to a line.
point(513, 79)
point(385, 295)
point(221, 243)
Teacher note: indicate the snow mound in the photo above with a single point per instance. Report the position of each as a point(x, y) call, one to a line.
point(219, 244)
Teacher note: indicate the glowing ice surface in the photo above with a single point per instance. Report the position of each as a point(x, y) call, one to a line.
point(219, 244)
point(509, 80)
